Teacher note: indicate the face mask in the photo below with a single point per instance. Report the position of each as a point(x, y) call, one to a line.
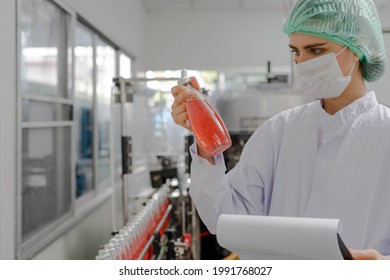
point(321, 77)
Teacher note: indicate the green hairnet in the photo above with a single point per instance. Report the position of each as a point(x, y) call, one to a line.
point(351, 23)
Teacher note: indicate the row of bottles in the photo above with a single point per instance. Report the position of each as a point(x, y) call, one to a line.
point(130, 242)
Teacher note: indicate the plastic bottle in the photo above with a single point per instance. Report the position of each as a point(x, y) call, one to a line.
point(207, 125)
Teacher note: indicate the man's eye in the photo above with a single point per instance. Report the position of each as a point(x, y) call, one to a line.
point(295, 53)
point(316, 51)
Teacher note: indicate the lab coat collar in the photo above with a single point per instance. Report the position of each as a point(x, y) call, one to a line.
point(346, 115)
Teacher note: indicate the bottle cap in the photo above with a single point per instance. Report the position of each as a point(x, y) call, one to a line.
point(184, 78)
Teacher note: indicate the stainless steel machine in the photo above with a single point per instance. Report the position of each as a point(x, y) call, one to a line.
point(155, 218)
point(243, 110)
point(146, 166)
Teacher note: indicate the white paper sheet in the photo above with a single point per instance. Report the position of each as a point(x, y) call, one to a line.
point(279, 238)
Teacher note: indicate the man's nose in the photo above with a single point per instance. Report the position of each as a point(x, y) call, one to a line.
point(302, 58)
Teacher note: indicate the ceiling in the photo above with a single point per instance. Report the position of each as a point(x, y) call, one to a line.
point(202, 5)
point(226, 5)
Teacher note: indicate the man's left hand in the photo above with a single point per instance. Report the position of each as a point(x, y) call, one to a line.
point(369, 254)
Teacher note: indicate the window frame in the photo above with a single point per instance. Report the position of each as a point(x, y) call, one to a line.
point(85, 204)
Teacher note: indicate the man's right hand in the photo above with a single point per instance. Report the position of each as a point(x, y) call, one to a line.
point(178, 108)
point(179, 111)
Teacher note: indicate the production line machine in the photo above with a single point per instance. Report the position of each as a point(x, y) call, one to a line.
point(159, 231)
point(243, 110)
point(155, 218)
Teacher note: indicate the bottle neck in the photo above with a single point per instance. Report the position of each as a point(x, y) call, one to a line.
point(184, 81)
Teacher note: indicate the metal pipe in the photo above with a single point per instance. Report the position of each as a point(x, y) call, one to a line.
point(183, 218)
point(122, 93)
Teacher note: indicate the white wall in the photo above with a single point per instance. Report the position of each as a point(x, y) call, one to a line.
point(122, 21)
point(211, 40)
point(7, 128)
point(80, 243)
point(382, 87)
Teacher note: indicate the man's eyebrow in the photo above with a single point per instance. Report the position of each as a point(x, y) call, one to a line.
point(309, 46)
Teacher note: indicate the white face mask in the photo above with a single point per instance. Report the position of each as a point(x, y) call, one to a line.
point(321, 77)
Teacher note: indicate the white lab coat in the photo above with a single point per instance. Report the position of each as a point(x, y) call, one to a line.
point(304, 162)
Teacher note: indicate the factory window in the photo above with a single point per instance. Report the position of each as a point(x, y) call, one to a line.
point(95, 66)
point(45, 114)
point(84, 92)
point(65, 72)
point(124, 66)
point(46, 176)
point(105, 71)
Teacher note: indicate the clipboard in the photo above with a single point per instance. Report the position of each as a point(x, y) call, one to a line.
point(282, 238)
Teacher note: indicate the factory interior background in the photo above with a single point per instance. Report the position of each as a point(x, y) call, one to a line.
point(89, 152)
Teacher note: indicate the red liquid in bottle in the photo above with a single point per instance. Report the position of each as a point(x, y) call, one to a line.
point(212, 135)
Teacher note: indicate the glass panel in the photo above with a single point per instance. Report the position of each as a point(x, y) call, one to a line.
point(44, 48)
point(105, 71)
point(36, 111)
point(45, 177)
point(124, 66)
point(84, 108)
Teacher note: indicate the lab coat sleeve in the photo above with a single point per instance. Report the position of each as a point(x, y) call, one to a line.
point(245, 189)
